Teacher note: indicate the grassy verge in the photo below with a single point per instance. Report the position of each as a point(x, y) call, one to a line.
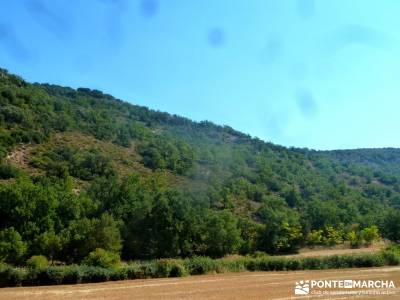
point(14, 276)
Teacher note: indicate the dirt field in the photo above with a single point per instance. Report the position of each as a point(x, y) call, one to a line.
point(257, 285)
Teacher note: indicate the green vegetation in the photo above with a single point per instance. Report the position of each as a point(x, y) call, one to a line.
point(11, 276)
point(37, 262)
point(102, 258)
point(87, 178)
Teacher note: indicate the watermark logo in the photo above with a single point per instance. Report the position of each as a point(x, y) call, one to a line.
point(302, 287)
point(346, 286)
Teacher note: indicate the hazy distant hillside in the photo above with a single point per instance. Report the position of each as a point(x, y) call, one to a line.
point(82, 170)
point(385, 159)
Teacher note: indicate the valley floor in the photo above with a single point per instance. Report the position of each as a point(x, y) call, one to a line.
point(257, 285)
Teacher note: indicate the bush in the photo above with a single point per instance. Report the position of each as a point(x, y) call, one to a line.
point(46, 276)
point(7, 94)
point(8, 171)
point(170, 268)
point(102, 258)
point(72, 274)
point(95, 274)
point(133, 271)
point(391, 258)
point(370, 234)
point(200, 265)
point(10, 276)
point(333, 236)
point(355, 239)
point(37, 262)
point(335, 262)
point(368, 260)
point(231, 265)
point(315, 237)
point(294, 264)
point(312, 263)
point(164, 267)
point(119, 274)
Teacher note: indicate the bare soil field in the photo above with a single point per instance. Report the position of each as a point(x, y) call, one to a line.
point(247, 285)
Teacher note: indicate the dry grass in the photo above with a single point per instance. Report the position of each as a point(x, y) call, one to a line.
point(259, 285)
point(339, 250)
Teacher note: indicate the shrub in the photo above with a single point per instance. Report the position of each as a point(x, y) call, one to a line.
point(312, 263)
point(10, 276)
point(231, 265)
point(391, 258)
point(266, 264)
point(46, 276)
point(370, 234)
point(149, 269)
point(95, 274)
point(178, 270)
point(8, 171)
point(335, 262)
point(163, 267)
point(315, 237)
point(37, 262)
point(200, 265)
point(72, 274)
point(7, 94)
point(355, 239)
point(170, 268)
point(333, 236)
point(102, 258)
point(294, 264)
point(133, 271)
point(119, 274)
point(367, 260)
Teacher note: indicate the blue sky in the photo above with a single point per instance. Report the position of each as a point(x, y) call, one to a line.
point(307, 73)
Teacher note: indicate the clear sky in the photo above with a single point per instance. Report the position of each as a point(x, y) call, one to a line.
point(307, 73)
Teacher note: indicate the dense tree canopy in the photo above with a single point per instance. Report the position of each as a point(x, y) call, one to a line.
point(82, 171)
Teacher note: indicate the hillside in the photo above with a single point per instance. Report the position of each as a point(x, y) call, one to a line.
point(82, 170)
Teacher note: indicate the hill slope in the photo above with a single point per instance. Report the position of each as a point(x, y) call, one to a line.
point(82, 170)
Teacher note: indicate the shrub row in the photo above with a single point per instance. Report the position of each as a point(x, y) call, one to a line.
point(12, 276)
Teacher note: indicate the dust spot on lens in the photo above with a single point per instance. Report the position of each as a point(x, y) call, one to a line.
point(306, 103)
point(216, 37)
point(305, 8)
point(149, 8)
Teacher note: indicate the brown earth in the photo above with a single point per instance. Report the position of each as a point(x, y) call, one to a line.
point(257, 285)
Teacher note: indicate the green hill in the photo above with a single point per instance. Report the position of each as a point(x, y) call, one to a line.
point(82, 170)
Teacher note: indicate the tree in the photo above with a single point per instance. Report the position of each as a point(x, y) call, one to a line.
point(85, 235)
point(12, 248)
point(292, 197)
point(370, 234)
point(315, 237)
point(333, 236)
point(250, 234)
point(50, 245)
point(391, 226)
point(282, 231)
point(222, 233)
